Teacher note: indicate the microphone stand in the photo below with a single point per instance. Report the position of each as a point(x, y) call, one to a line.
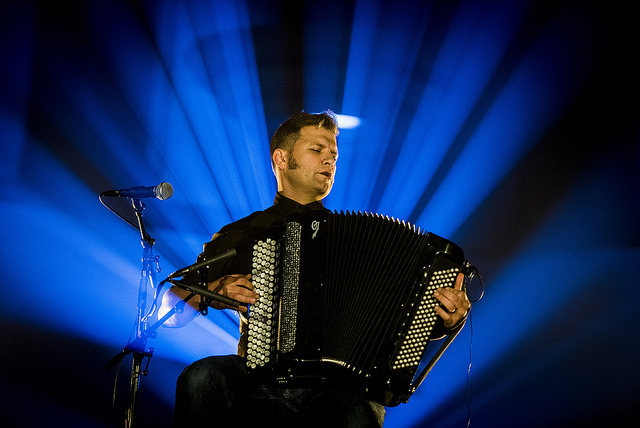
point(144, 331)
point(147, 274)
point(138, 346)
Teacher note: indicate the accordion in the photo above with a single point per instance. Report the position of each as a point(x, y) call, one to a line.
point(348, 298)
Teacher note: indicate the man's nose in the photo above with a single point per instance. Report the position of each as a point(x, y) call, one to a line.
point(329, 160)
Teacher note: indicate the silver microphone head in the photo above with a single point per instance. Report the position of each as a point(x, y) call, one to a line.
point(163, 191)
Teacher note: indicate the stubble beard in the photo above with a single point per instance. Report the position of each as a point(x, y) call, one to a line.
point(292, 163)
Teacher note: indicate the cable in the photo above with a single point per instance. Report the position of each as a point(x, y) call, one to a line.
point(113, 399)
point(469, 371)
point(473, 272)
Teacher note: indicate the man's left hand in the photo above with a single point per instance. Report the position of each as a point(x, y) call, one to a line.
point(454, 304)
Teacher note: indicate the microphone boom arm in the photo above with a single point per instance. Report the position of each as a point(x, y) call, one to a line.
point(205, 263)
point(201, 289)
point(206, 293)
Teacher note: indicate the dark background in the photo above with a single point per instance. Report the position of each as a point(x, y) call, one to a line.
point(511, 129)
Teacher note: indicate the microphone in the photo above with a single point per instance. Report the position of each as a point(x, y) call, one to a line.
point(162, 191)
point(205, 263)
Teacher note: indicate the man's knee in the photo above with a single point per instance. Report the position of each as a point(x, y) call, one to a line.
point(211, 383)
point(341, 408)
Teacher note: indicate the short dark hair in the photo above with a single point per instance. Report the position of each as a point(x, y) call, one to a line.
point(288, 132)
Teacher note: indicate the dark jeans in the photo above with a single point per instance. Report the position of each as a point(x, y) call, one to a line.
point(218, 392)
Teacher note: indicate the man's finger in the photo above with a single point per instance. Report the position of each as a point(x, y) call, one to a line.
point(459, 281)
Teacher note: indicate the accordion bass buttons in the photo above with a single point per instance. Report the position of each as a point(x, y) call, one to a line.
point(261, 343)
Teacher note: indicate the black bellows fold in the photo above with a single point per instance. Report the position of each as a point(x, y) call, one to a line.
point(372, 272)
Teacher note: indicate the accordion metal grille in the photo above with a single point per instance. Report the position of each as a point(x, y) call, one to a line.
point(289, 289)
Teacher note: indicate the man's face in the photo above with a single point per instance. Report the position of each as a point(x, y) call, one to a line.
point(311, 166)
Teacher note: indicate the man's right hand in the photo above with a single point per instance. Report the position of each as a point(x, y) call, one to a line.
point(235, 286)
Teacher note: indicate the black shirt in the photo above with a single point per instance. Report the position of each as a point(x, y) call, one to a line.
point(241, 235)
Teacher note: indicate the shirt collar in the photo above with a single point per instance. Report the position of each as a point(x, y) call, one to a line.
point(288, 206)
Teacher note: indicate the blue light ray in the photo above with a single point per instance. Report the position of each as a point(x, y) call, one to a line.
point(92, 272)
point(85, 118)
point(87, 274)
point(476, 42)
point(232, 68)
point(378, 72)
point(548, 78)
point(324, 68)
point(158, 101)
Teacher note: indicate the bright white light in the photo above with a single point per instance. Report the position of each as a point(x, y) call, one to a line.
point(347, 122)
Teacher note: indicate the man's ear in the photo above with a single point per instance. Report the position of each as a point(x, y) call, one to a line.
point(279, 158)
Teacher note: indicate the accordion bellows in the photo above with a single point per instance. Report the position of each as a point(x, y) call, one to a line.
point(348, 297)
